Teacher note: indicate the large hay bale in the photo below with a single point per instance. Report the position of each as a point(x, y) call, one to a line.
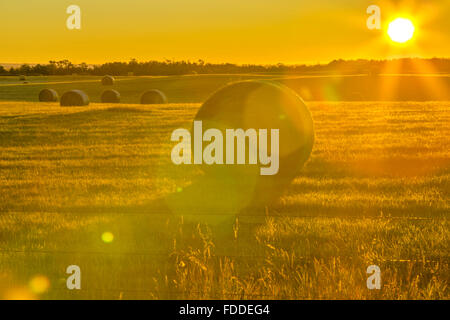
point(48, 95)
point(74, 98)
point(22, 78)
point(108, 80)
point(153, 97)
point(110, 96)
point(260, 105)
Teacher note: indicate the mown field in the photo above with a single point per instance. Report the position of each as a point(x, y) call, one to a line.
point(375, 191)
point(179, 89)
point(196, 88)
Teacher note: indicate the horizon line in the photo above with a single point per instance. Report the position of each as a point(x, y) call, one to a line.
point(307, 64)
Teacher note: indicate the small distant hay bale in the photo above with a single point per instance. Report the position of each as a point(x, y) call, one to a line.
point(374, 72)
point(357, 96)
point(22, 78)
point(108, 80)
point(48, 95)
point(74, 98)
point(110, 96)
point(153, 97)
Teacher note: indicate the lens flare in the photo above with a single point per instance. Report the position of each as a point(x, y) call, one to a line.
point(19, 294)
point(39, 284)
point(107, 237)
point(401, 30)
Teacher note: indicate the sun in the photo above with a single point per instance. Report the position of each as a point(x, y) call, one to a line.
point(401, 30)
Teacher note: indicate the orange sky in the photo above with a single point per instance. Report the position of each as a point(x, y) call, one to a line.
point(237, 31)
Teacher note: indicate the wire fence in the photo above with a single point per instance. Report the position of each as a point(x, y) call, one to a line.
point(169, 293)
point(213, 256)
point(239, 215)
point(148, 293)
point(121, 293)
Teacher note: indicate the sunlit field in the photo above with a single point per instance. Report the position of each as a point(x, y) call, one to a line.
point(197, 88)
point(87, 186)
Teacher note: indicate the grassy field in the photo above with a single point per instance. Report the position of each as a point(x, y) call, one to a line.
point(375, 191)
point(196, 88)
point(179, 89)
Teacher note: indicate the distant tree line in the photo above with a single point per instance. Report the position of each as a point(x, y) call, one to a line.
point(169, 67)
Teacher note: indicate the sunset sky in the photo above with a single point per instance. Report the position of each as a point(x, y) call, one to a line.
point(237, 31)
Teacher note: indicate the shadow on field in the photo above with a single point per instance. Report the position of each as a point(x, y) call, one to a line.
point(76, 115)
point(80, 114)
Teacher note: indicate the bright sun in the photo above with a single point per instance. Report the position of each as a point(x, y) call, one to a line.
point(401, 30)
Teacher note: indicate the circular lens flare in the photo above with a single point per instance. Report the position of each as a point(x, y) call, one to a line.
point(39, 284)
point(401, 30)
point(107, 237)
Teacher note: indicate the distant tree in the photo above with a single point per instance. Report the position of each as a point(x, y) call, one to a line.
point(172, 67)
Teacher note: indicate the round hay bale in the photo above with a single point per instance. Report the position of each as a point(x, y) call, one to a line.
point(110, 96)
point(22, 78)
point(48, 95)
point(74, 98)
point(374, 71)
point(259, 105)
point(153, 97)
point(108, 80)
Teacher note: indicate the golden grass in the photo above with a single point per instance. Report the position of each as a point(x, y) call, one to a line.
point(375, 191)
